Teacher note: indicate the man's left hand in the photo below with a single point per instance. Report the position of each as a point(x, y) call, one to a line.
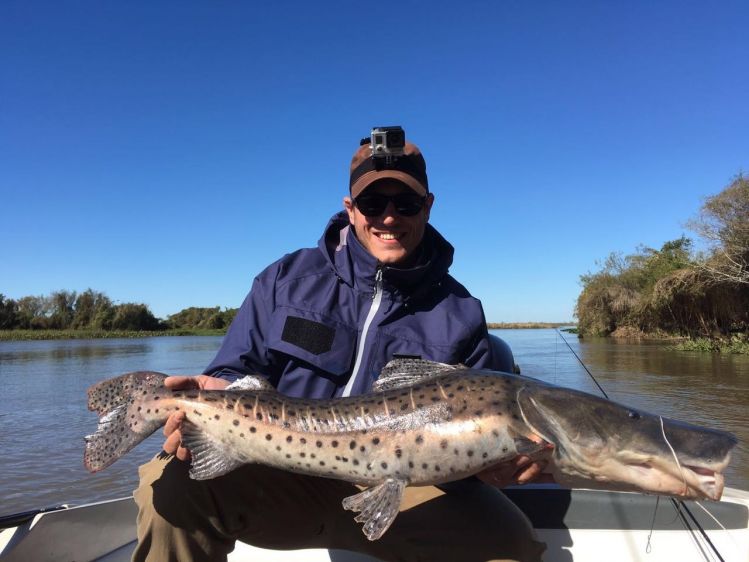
point(520, 470)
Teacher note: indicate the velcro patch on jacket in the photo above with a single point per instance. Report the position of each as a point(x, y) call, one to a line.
point(309, 335)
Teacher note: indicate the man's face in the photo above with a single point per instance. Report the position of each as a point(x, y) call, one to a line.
point(389, 237)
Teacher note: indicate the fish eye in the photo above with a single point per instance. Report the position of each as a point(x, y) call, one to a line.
point(633, 415)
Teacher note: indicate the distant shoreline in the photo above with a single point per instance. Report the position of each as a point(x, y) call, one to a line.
point(526, 325)
point(27, 335)
point(38, 335)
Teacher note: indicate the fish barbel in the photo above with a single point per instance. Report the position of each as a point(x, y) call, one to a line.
point(424, 423)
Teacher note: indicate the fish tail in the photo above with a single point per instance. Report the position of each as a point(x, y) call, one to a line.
point(121, 427)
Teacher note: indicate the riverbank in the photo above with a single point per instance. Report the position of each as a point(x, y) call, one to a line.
point(21, 335)
point(526, 325)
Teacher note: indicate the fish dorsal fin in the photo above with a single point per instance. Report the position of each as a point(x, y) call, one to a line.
point(210, 458)
point(251, 382)
point(405, 372)
point(377, 506)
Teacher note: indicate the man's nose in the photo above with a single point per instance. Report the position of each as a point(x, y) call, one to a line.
point(389, 215)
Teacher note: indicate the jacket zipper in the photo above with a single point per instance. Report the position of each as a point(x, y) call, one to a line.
point(376, 301)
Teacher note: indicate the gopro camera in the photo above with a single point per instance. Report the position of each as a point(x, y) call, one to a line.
point(388, 142)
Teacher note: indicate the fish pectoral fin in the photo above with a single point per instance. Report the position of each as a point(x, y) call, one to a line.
point(209, 457)
point(525, 446)
point(251, 382)
point(377, 506)
point(404, 372)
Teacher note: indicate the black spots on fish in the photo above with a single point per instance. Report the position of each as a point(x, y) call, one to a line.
point(504, 449)
point(424, 465)
point(235, 422)
point(410, 464)
point(278, 447)
point(376, 441)
point(197, 413)
point(344, 459)
point(355, 462)
point(362, 448)
point(495, 433)
point(352, 445)
point(291, 413)
point(436, 398)
point(478, 413)
point(156, 411)
point(268, 437)
point(384, 465)
point(241, 435)
point(216, 417)
point(302, 440)
point(496, 403)
point(443, 444)
point(288, 455)
point(209, 398)
point(259, 416)
point(484, 455)
point(318, 443)
point(515, 417)
point(437, 468)
point(312, 456)
point(469, 452)
point(289, 438)
point(460, 388)
point(140, 408)
point(456, 451)
point(419, 439)
point(253, 429)
point(404, 406)
point(334, 443)
point(322, 463)
point(398, 452)
point(302, 455)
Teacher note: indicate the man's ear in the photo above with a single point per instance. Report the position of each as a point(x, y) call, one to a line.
point(428, 205)
point(348, 204)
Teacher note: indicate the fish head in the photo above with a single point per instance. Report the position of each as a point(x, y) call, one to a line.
point(602, 444)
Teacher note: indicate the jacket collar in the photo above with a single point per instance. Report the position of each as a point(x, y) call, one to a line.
point(356, 267)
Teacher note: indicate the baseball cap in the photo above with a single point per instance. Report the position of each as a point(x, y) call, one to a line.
point(410, 169)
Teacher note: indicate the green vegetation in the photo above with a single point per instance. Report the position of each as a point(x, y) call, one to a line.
point(91, 314)
point(675, 292)
point(524, 325)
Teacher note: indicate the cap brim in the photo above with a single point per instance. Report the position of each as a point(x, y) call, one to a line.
point(370, 177)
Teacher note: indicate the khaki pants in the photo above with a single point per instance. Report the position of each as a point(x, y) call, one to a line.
point(184, 519)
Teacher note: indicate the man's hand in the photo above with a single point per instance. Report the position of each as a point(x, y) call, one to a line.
point(520, 470)
point(173, 426)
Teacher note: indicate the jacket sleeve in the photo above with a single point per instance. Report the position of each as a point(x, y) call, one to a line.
point(244, 350)
point(488, 351)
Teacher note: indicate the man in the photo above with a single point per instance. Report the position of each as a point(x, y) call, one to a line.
point(321, 323)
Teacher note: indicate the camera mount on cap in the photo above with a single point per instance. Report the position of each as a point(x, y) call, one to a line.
point(387, 144)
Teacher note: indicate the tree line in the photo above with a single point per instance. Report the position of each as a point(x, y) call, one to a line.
point(676, 290)
point(94, 310)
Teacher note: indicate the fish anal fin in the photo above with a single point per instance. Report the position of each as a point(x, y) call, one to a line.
point(405, 372)
point(210, 458)
point(377, 506)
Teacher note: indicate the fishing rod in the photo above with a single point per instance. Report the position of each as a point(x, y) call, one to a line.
point(678, 504)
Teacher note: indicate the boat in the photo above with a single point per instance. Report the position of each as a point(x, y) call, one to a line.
point(577, 525)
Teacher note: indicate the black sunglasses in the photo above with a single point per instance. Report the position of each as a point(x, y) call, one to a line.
point(374, 204)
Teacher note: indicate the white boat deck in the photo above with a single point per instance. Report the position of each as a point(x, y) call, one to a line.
point(579, 525)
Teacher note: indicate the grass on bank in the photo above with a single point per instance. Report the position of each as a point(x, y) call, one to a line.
point(15, 335)
point(525, 325)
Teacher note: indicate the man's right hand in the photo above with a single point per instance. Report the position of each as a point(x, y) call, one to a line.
point(173, 426)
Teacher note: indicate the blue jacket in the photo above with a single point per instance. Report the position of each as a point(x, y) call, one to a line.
point(322, 322)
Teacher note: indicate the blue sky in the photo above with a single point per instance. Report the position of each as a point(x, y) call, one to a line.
point(166, 152)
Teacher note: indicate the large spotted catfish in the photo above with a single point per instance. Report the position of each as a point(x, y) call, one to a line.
point(423, 423)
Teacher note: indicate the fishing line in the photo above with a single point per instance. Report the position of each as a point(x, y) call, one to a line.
point(676, 459)
point(648, 547)
point(678, 504)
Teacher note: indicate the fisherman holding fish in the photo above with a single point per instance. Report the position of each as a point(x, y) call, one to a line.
point(322, 323)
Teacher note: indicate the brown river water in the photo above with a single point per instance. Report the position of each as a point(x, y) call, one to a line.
point(43, 415)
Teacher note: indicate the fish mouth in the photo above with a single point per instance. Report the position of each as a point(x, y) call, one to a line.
point(683, 480)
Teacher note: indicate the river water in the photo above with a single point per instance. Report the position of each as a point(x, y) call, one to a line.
point(43, 415)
